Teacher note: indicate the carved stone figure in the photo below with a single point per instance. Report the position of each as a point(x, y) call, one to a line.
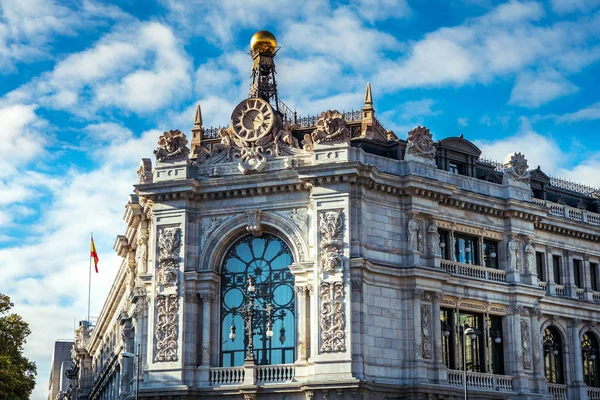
point(529, 256)
point(331, 227)
point(413, 233)
point(167, 328)
point(172, 146)
point(144, 172)
point(169, 243)
point(420, 143)
point(513, 255)
point(333, 318)
point(141, 251)
point(331, 127)
point(254, 226)
point(516, 169)
point(434, 239)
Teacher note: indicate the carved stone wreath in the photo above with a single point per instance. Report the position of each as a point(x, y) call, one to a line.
point(172, 146)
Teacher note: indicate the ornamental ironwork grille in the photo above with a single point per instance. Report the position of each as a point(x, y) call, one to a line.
point(553, 367)
point(266, 259)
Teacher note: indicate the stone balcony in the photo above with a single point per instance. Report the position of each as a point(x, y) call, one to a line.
point(561, 210)
point(558, 392)
point(479, 381)
point(251, 374)
point(473, 271)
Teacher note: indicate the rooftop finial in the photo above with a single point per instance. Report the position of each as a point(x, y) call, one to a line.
point(368, 96)
point(198, 117)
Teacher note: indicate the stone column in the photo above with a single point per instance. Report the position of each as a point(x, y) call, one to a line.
point(418, 373)
point(569, 274)
point(577, 388)
point(190, 334)
point(301, 323)
point(540, 384)
point(442, 371)
point(206, 298)
point(550, 272)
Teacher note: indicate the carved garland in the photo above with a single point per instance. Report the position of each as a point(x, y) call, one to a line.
point(169, 242)
point(166, 328)
point(331, 226)
point(333, 318)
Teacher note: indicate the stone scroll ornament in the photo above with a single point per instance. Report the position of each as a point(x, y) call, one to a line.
point(333, 318)
point(169, 243)
point(516, 169)
point(256, 135)
point(331, 226)
point(331, 127)
point(172, 146)
point(420, 143)
point(167, 308)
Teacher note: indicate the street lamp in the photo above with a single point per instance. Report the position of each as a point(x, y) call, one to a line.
point(257, 317)
point(470, 332)
point(138, 363)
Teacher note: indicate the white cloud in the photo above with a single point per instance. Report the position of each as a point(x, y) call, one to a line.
point(570, 6)
point(374, 10)
point(462, 122)
point(534, 89)
point(589, 113)
point(419, 108)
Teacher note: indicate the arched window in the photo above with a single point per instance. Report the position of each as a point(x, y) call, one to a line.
point(589, 356)
point(553, 356)
point(266, 261)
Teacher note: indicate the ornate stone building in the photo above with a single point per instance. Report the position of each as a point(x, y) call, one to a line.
point(326, 258)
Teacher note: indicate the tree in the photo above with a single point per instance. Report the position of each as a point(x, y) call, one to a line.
point(17, 373)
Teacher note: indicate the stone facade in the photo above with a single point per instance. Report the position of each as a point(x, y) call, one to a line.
point(394, 258)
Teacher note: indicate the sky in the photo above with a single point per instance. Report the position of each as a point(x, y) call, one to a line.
point(88, 86)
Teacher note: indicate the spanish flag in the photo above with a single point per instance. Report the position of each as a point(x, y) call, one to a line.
point(94, 254)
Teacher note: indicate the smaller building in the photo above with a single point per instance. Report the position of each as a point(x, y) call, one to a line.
point(61, 361)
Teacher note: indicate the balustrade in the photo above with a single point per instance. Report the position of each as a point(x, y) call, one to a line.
point(477, 380)
point(561, 210)
point(226, 376)
point(593, 393)
point(560, 290)
point(274, 373)
point(580, 294)
point(264, 374)
point(596, 297)
point(558, 392)
point(543, 285)
point(473, 271)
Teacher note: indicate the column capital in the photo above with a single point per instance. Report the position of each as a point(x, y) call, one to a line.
point(191, 296)
point(300, 291)
point(574, 322)
point(207, 295)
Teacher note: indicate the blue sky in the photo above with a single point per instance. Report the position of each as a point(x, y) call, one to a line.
point(88, 86)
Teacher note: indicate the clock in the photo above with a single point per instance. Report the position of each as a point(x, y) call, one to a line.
point(252, 119)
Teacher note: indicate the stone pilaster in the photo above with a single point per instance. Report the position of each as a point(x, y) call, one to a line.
point(577, 388)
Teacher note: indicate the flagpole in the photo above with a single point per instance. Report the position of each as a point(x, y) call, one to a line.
point(90, 283)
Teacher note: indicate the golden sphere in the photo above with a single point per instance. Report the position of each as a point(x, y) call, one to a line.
point(263, 41)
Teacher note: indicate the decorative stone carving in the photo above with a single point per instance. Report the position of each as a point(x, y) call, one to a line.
point(300, 291)
point(209, 224)
point(169, 242)
point(426, 330)
point(331, 226)
point(529, 256)
point(206, 354)
point(310, 289)
point(330, 127)
point(412, 231)
point(299, 216)
point(537, 312)
point(144, 172)
point(172, 146)
point(516, 169)
point(191, 296)
point(207, 296)
point(141, 251)
point(420, 144)
point(434, 239)
point(526, 344)
point(518, 309)
point(357, 285)
point(333, 318)
point(254, 226)
point(574, 322)
point(514, 257)
point(167, 328)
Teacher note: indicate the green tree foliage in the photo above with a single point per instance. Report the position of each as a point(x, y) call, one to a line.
point(17, 373)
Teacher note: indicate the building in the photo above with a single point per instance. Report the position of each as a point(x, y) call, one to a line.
point(326, 258)
point(61, 361)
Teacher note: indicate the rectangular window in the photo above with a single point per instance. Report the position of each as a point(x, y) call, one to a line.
point(448, 338)
point(577, 273)
point(490, 256)
point(444, 240)
point(539, 264)
point(556, 261)
point(466, 249)
point(594, 276)
point(453, 168)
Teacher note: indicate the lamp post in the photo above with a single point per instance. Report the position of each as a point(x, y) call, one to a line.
point(138, 358)
point(257, 317)
point(470, 332)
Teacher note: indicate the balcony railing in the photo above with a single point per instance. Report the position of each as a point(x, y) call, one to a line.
point(264, 374)
point(476, 380)
point(543, 285)
point(558, 392)
point(596, 297)
point(560, 290)
point(562, 210)
point(226, 375)
point(473, 271)
point(580, 294)
point(274, 373)
point(593, 393)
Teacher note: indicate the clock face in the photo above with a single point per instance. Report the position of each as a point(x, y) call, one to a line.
point(252, 119)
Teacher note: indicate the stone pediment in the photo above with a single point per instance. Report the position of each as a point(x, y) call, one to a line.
point(538, 175)
point(459, 144)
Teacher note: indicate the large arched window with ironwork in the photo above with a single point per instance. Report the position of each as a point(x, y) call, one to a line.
point(257, 302)
point(589, 356)
point(553, 353)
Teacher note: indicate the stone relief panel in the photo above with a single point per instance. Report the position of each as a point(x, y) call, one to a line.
point(426, 330)
point(526, 343)
point(333, 318)
point(169, 243)
point(167, 329)
point(331, 226)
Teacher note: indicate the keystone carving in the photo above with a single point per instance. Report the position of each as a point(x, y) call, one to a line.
point(254, 226)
